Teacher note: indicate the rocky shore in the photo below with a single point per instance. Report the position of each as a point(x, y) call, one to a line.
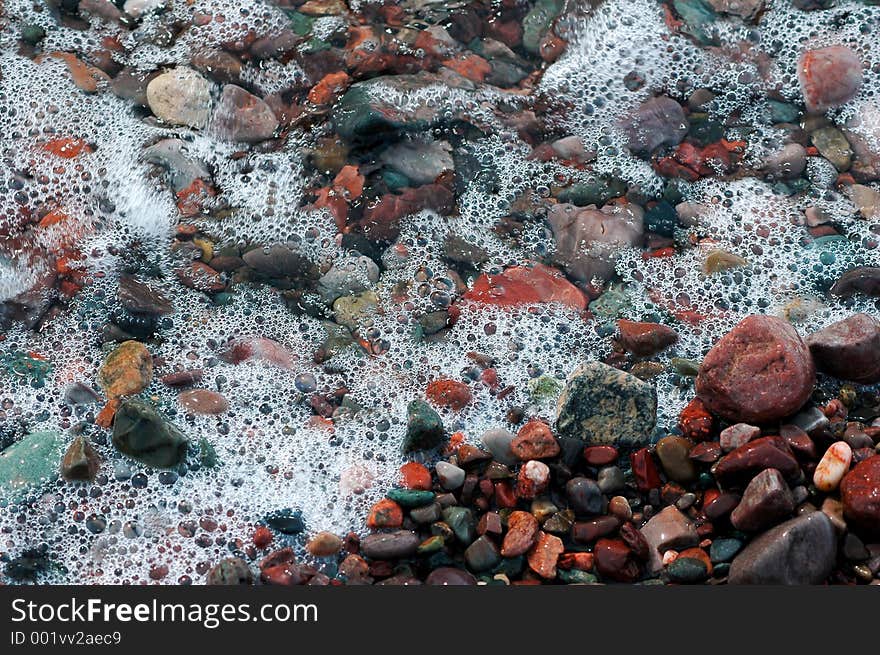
point(336, 292)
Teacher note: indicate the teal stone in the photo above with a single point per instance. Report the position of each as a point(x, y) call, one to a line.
point(27, 465)
point(545, 387)
point(395, 181)
point(537, 22)
point(687, 570)
point(698, 15)
point(723, 550)
point(440, 559)
point(461, 520)
point(207, 455)
point(300, 23)
point(424, 427)
point(596, 192)
point(512, 567)
point(574, 576)
point(782, 112)
point(410, 498)
point(720, 570)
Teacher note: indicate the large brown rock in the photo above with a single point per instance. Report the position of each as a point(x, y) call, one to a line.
point(758, 372)
point(849, 349)
point(860, 491)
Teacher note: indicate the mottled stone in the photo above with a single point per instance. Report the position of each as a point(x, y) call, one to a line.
point(849, 349)
point(800, 551)
point(860, 491)
point(180, 97)
point(604, 406)
point(28, 464)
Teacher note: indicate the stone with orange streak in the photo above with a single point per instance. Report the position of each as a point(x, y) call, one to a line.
point(385, 514)
point(545, 554)
point(833, 466)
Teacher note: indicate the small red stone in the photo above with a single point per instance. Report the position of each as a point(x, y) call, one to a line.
point(695, 421)
point(645, 470)
point(614, 560)
point(449, 393)
point(504, 494)
point(706, 452)
point(415, 476)
point(544, 554)
point(600, 455)
point(385, 514)
point(534, 440)
point(533, 479)
point(579, 561)
point(262, 537)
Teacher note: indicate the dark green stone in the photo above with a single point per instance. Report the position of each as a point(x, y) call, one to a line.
point(286, 521)
point(140, 433)
point(207, 454)
point(461, 521)
point(724, 550)
point(481, 555)
point(687, 570)
point(512, 567)
point(424, 428)
point(410, 498)
point(575, 576)
point(782, 112)
point(661, 219)
point(537, 22)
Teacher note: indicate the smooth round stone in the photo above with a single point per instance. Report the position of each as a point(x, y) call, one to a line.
point(203, 401)
point(600, 455)
point(498, 442)
point(674, 452)
point(585, 496)
point(611, 479)
point(180, 97)
point(305, 383)
point(724, 550)
point(481, 555)
point(450, 476)
point(390, 545)
point(447, 575)
point(687, 570)
point(410, 498)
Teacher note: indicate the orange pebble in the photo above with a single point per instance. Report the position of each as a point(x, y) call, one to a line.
point(415, 476)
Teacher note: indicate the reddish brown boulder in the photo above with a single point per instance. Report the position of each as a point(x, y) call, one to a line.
point(754, 457)
point(849, 349)
point(860, 491)
point(758, 372)
point(644, 339)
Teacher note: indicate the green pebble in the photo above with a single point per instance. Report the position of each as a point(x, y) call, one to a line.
point(410, 498)
point(575, 576)
point(461, 520)
point(687, 570)
point(724, 550)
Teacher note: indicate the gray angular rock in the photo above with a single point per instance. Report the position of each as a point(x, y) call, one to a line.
point(497, 441)
point(800, 551)
point(602, 405)
point(421, 161)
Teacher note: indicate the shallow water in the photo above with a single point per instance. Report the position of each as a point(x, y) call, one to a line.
point(119, 214)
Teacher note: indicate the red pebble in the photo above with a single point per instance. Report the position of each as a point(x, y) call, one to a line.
point(600, 455)
point(695, 421)
point(415, 476)
point(449, 393)
point(385, 514)
point(645, 470)
point(262, 537)
point(504, 494)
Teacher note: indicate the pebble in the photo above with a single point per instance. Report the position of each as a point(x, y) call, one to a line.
point(230, 571)
point(415, 476)
point(203, 401)
point(127, 370)
point(600, 455)
point(451, 477)
point(615, 561)
point(140, 298)
point(765, 501)
point(422, 161)
point(410, 498)
point(849, 349)
point(324, 544)
point(80, 461)
point(832, 467)
point(862, 279)
point(673, 452)
point(544, 555)
point(687, 570)
point(533, 479)
point(426, 513)
point(461, 521)
point(180, 97)
point(737, 435)
point(611, 479)
point(522, 531)
point(833, 146)
point(449, 393)
point(668, 529)
point(450, 576)
point(390, 545)
point(534, 441)
point(584, 496)
point(140, 433)
point(737, 382)
point(242, 116)
point(424, 427)
point(658, 121)
point(829, 77)
point(724, 550)
point(755, 456)
point(799, 551)
point(601, 405)
point(645, 339)
point(481, 555)
point(619, 507)
point(786, 163)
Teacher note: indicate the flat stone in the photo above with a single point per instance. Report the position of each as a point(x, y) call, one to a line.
point(390, 545)
point(140, 433)
point(738, 435)
point(242, 116)
point(800, 551)
point(180, 97)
